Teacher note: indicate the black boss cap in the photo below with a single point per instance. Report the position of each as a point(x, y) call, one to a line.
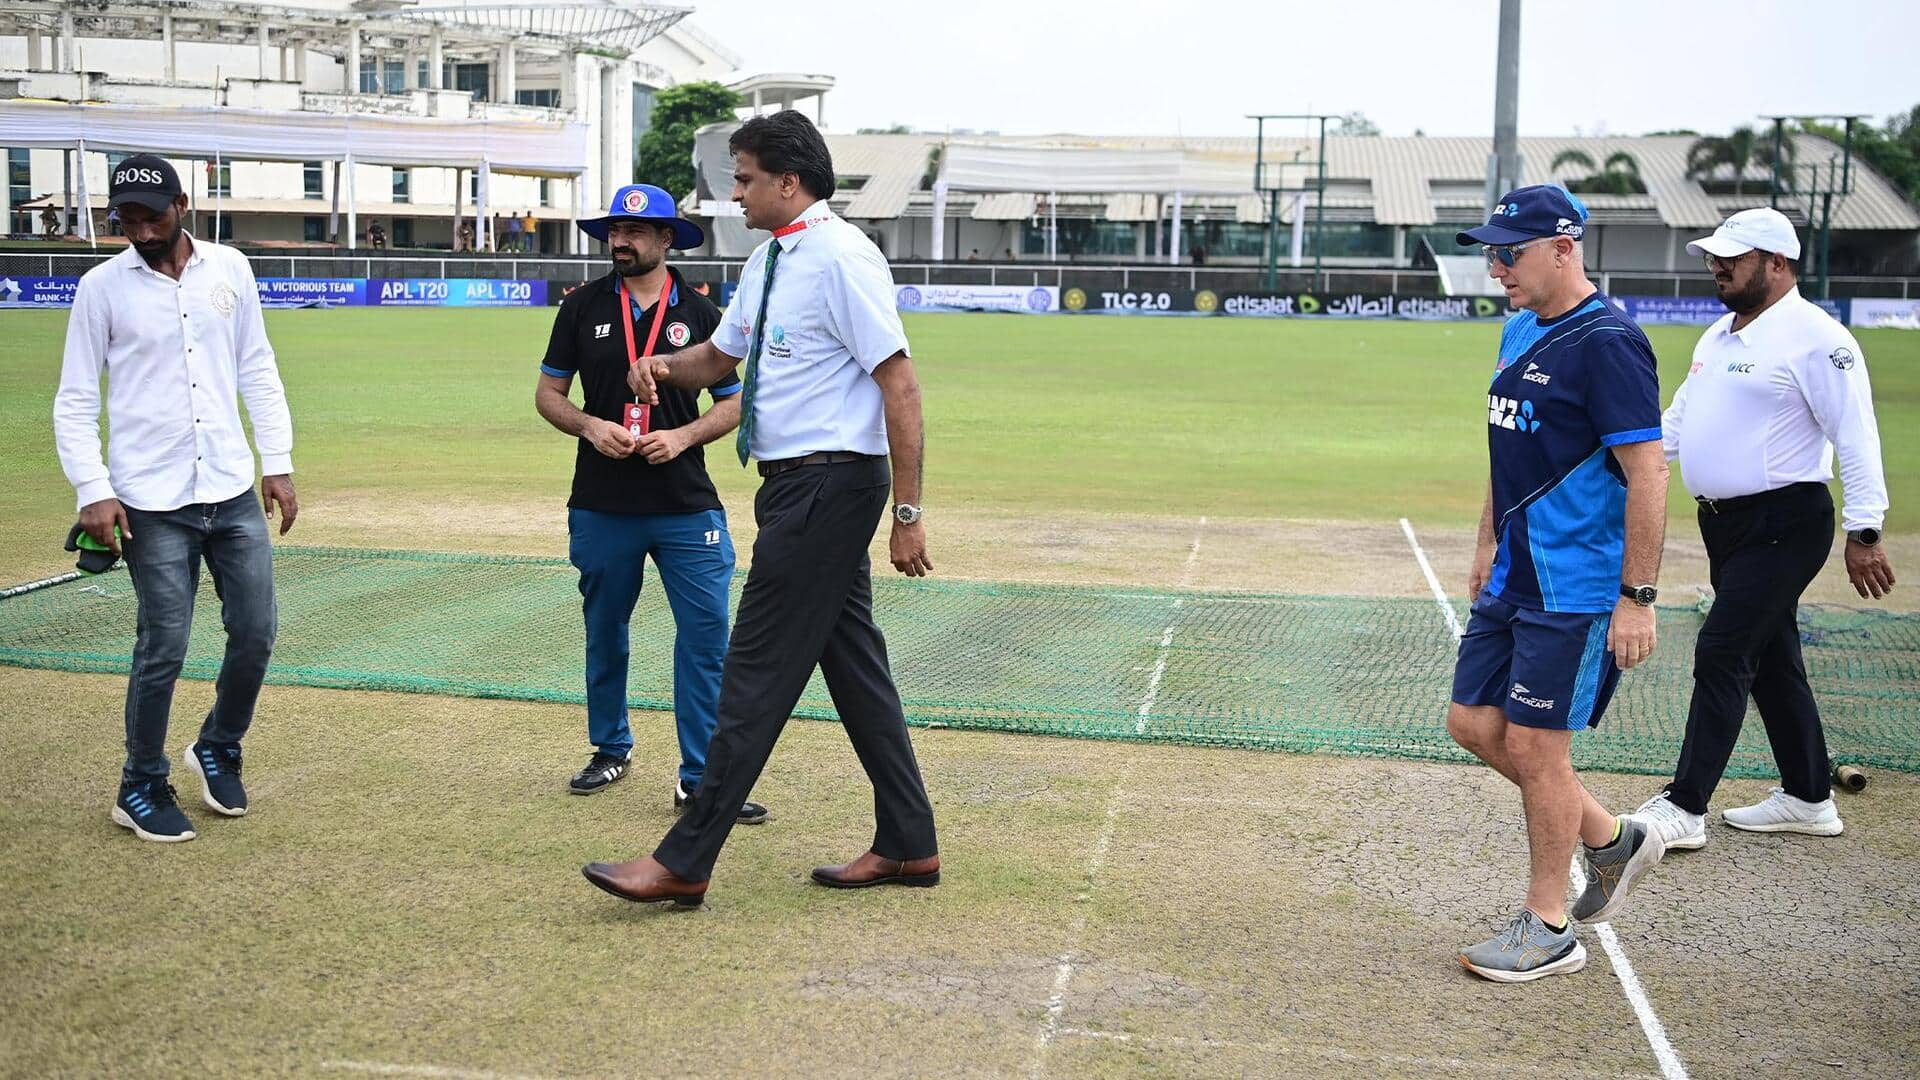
point(144, 179)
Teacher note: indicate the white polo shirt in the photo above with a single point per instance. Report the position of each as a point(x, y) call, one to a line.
point(830, 321)
point(1765, 406)
point(175, 354)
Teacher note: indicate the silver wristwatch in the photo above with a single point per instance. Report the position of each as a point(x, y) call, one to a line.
point(906, 513)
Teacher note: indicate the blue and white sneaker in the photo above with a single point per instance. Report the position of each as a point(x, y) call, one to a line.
point(219, 767)
point(149, 808)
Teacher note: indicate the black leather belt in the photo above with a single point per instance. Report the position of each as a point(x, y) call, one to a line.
point(818, 457)
point(1758, 498)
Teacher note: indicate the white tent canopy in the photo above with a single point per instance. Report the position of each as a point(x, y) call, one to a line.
point(225, 134)
point(1022, 167)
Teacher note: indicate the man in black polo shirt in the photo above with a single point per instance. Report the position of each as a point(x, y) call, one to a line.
point(640, 484)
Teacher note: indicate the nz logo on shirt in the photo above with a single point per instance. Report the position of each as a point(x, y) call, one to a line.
point(1511, 413)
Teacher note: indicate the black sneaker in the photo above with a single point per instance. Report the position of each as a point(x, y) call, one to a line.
point(751, 813)
point(219, 767)
point(149, 808)
point(602, 770)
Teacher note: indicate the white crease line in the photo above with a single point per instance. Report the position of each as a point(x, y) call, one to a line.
point(1663, 1051)
point(1166, 636)
point(1063, 975)
point(383, 1068)
point(1439, 594)
point(1670, 1065)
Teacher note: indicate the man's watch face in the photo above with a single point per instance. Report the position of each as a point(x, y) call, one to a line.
point(906, 514)
point(1867, 537)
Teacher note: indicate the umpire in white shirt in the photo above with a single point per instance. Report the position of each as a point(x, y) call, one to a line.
point(175, 325)
point(829, 393)
point(1776, 386)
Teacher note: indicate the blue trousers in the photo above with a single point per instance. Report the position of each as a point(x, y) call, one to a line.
point(694, 555)
point(163, 557)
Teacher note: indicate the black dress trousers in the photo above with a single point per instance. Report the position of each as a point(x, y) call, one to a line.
point(1762, 552)
point(808, 601)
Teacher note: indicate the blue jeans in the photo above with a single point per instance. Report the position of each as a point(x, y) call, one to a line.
point(163, 556)
point(694, 554)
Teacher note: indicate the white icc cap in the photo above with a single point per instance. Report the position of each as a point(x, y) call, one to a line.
point(1763, 228)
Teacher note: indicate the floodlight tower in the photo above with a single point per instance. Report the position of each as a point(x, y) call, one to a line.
point(1270, 179)
point(1839, 181)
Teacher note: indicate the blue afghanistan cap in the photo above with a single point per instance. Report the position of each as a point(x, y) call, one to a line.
point(644, 202)
point(1530, 212)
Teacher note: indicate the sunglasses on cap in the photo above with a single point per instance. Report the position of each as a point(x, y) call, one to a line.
point(1509, 253)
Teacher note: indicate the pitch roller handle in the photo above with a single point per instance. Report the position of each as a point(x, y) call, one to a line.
point(1850, 777)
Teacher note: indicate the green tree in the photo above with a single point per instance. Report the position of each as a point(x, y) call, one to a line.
point(1737, 150)
point(1354, 123)
point(1619, 175)
point(664, 155)
point(1893, 151)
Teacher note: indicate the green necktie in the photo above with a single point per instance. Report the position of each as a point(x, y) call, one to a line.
point(745, 434)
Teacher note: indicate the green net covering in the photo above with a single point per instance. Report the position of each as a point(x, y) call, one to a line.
point(1347, 675)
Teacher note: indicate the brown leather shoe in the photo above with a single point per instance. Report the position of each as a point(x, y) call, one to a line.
point(645, 881)
point(871, 869)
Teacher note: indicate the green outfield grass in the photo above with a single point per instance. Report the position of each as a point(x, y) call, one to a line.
point(1228, 417)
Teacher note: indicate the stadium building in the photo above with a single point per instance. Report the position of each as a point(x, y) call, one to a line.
point(573, 78)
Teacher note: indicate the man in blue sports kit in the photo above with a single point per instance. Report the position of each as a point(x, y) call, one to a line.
point(640, 486)
point(1563, 575)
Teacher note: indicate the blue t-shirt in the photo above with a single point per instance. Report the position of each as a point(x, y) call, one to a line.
point(1566, 389)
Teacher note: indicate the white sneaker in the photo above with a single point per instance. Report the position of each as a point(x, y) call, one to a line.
point(1782, 812)
point(1677, 827)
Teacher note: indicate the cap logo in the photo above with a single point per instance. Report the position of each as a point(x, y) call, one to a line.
point(634, 201)
point(138, 176)
point(1569, 227)
point(1507, 210)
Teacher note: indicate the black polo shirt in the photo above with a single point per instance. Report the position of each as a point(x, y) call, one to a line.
point(589, 341)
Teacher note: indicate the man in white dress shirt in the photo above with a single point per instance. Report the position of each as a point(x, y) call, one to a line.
point(829, 396)
point(175, 325)
point(1776, 386)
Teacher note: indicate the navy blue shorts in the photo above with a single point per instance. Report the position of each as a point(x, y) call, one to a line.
point(1547, 669)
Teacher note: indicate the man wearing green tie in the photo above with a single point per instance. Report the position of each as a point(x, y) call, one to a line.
point(830, 394)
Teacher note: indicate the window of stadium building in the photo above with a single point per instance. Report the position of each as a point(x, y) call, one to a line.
point(475, 79)
point(1079, 236)
point(546, 192)
point(313, 183)
point(402, 185)
point(314, 229)
point(1221, 239)
point(19, 176)
point(1441, 237)
point(220, 178)
point(548, 98)
point(402, 232)
point(1348, 240)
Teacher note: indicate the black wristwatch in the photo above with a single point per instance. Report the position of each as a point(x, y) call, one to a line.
point(1865, 537)
point(1644, 595)
point(907, 513)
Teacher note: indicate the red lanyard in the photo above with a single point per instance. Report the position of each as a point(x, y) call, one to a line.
point(797, 226)
point(659, 316)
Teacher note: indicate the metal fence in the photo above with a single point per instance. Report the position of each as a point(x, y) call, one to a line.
point(1090, 277)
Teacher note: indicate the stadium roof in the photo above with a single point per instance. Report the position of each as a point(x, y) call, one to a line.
point(1414, 181)
point(603, 25)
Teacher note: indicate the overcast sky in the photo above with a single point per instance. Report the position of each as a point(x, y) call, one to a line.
point(1623, 67)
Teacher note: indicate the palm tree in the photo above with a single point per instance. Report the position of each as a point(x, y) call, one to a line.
point(1736, 150)
point(1619, 175)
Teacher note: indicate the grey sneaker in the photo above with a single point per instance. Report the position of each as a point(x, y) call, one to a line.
point(1614, 870)
point(1526, 950)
